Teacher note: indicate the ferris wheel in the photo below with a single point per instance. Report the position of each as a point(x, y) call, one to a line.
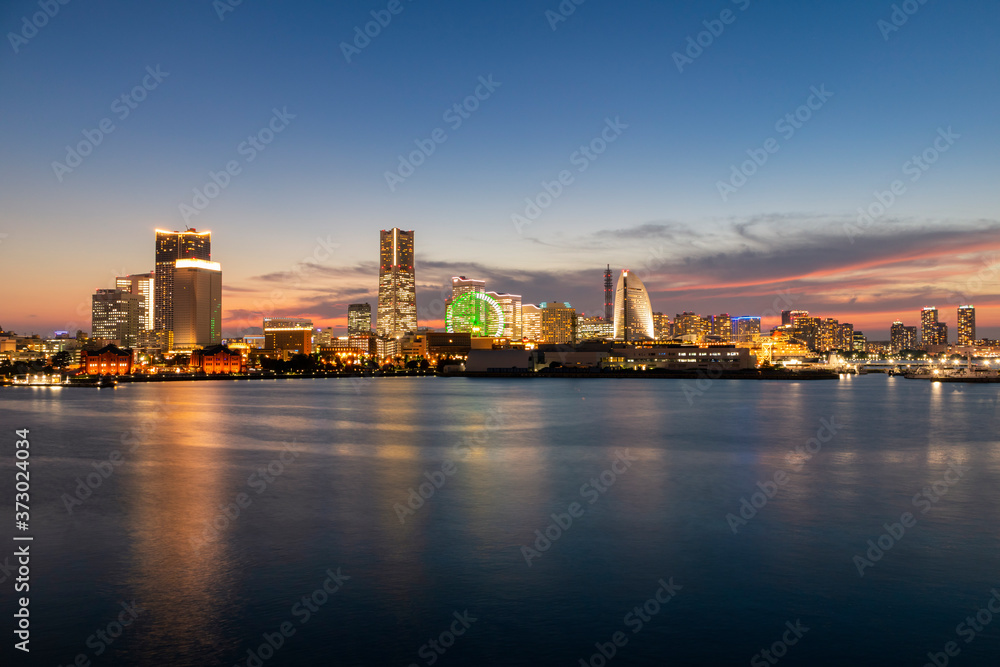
point(476, 313)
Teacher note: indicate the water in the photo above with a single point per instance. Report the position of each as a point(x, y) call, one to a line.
point(522, 450)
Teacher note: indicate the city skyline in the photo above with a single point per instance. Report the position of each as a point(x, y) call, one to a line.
point(819, 218)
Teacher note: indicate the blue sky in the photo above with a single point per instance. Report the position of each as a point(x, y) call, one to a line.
point(650, 200)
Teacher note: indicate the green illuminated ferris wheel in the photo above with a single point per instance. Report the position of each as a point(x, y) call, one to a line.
point(476, 313)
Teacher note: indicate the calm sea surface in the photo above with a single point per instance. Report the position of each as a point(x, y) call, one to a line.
point(327, 477)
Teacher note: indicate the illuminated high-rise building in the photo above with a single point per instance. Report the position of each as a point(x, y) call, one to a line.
point(593, 329)
point(170, 247)
point(966, 325)
point(558, 323)
point(788, 317)
point(662, 327)
point(859, 342)
point(722, 326)
point(115, 315)
point(633, 311)
point(746, 329)
point(397, 286)
point(531, 322)
point(196, 303)
point(609, 304)
point(510, 304)
point(289, 334)
point(928, 325)
point(142, 285)
point(359, 319)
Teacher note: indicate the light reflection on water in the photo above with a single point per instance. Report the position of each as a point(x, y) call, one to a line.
point(362, 448)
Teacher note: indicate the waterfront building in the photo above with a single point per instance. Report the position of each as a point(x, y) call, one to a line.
point(359, 318)
point(722, 327)
point(633, 311)
point(115, 315)
point(558, 323)
point(397, 291)
point(143, 286)
point(745, 329)
point(966, 325)
point(196, 304)
point(510, 304)
point(684, 357)
point(593, 328)
point(217, 359)
point(288, 334)
point(109, 360)
point(860, 342)
point(531, 322)
point(170, 247)
point(928, 326)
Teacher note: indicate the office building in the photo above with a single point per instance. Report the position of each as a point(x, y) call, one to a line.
point(966, 325)
point(397, 287)
point(359, 318)
point(633, 311)
point(859, 342)
point(115, 315)
point(510, 304)
point(593, 328)
point(745, 329)
point(143, 286)
point(288, 334)
point(170, 247)
point(558, 323)
point(531, 322)
point(663, 328)
point(928, 325)
point(722, 327)
point(196, 304)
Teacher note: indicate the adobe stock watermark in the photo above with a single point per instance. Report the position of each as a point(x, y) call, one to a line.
point(581, 158)
point(258, 481)
point(924, 500)
point(104, 637)
point(635, 619)
point(37, 21)
point(786, 126)
point(249, 148)
point(122, 107)
point(592, 491)
point(363, 36)
point(565, 9)
point(303, 610)
point(767, 489)
point(968, 630)
point(435, 648)
point(915, 168)
point(455, 116)
point(223, 7)
point(973, 285)
point(133, 438)
point(419, 496)
point(901, 13)
point(779, 649)
point(696, 44)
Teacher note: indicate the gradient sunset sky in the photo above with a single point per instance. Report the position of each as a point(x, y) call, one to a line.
point(650, 202)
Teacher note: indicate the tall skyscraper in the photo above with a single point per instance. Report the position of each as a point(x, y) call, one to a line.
point(359, 319)
point(609, 304)
point(170, 247)
point(633, 311)
point(142, 285)
point(788, 317)
point(196, 304)
point(928, 325)
point(966, 325)
point(511, 306)
point(115, 316)
point(397, 284)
